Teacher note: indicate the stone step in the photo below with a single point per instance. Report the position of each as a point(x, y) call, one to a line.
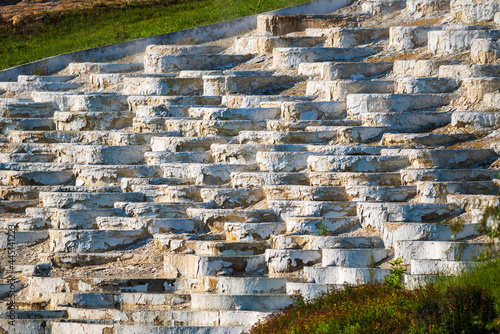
point(26, 174)
point(338, 90)
point(287, 208)
point(444, 158)
point(217, 218)
point(263, 154)
point(165, 102)
point(205, 174)
point(111, 138)
point(71, 218)
point(439, 267)
point(304, 193)
point(86, 68)
point(301, 125)
point(155, 63)
point(154, 209)
point(412, 176)
point(427, 6)
point(129, 184)
point(353, 257)
point(276, 25)
point(104, 175)
point(163, 110)
point(105, 155)
point(425, 139)
point(294, 161)
point(310, 290)
point(266, 44)
point(282, 261)
point(380, 194)
point(351, 37)
point(92, 327)
point(359, 178)
point(26, 157)
point(102, 81)
point(455, 39)
point(190, 127)
point(381, 6)
point(16, 206)
point(86, 200)
point(21, 238)
point(244, 285)
point(292, 57)
point(153, 225)
point(468, 71)
point(90, 120)
point(45, 78)
point(252, 231)
point(286, 137)
point(251, 114)
point(358, 104)
point(10, 124)
point(32, 192)
point(222, 248)
point(420, 121)
point(393, 232)
point(356, 163)
point(17, 108)
point(84, 101)
point(345, 70)
point(24, 223)
point(477, 121)
point(309, 111)
point(320, 243)
point(437, 192)
point(485, 50)
point(260, 178)
point(182, 144)
point(158, 158)
point(255, 101)
point(375, 214)
point(170, 85)
point(282, 161)
point(20, 326)
point(247, 82)
point(183, 49)
point(178, 318)
point(476, 88)
point(135, 301)
point(240, 302)
point(228, 198)
point(406, 38)
point(93, 241)
point(342, 275)
point(426, 85)
point(22, 88)
point(316, 225)
point(66, 261)
point(420, 68)
point(199, 266)
point(438, 250)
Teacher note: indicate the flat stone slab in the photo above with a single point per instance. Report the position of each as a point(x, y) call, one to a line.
point(375, 214)
point(438, 250)
point(292, 57)
point(316, 242)
point(341, 275)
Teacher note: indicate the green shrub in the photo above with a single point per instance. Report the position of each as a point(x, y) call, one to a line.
point(375, 308)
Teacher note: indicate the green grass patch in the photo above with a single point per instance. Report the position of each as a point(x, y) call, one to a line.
point(60, 32)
